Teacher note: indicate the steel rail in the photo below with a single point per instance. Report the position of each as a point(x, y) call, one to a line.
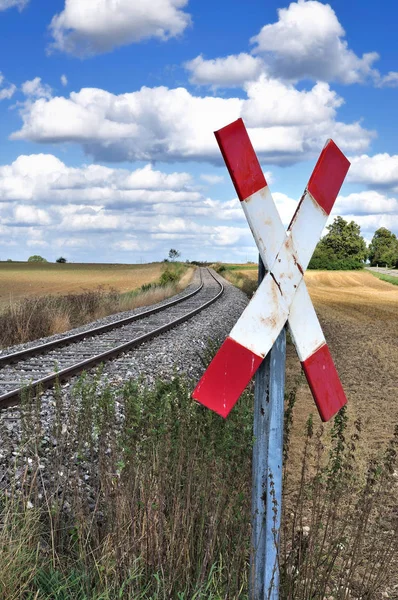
point(13, 397)
point(14, 357)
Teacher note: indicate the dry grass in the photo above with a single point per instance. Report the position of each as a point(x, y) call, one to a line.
point(244, 278)
point(63, 321)
point(60, 323)
point(250, 273)
point(20, 280)
point(154, 295)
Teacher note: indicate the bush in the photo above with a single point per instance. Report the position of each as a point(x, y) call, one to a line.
point(342, 248)
point(248, 286)
point(219, 268)
point(200, 263)
point(36, 258)
point(61, 260)
point(325, 259)
point(147, 286)
point(168, 276)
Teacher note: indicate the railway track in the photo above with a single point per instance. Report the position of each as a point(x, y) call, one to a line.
point(40, 367)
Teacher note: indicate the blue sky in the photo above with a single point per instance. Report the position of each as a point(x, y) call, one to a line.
point(107, 113)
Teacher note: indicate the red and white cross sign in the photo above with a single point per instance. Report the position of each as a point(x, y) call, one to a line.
point(282, 295)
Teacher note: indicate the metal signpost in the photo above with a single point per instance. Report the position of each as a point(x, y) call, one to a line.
point(267, 467)
point(281, 297)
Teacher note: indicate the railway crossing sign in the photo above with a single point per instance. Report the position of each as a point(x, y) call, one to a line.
point(282, 295)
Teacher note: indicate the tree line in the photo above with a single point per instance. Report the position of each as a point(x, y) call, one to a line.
point(344, 248)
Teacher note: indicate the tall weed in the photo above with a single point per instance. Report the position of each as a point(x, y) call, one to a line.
point(145, 494)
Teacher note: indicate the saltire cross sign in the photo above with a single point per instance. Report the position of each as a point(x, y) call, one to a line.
point(282, 295)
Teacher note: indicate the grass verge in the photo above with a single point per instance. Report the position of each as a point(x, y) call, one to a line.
point(33, 318)
point(250, 267)
point(388, 278)
point(233, 274)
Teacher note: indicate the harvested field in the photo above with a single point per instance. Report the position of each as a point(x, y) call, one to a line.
point(358, 313)
point(19, 280)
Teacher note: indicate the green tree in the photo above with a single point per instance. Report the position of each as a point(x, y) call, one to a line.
point(174, 254)
point(61, 259)
point(345, 240)
point(342, 247)
point(36, 258)
point(383, 249)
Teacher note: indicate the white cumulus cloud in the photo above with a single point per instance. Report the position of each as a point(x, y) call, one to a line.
point(30, 215)
point(272, 103)
point(380, 170)
point(365, 203)
point(286, 125)
point(96, 26)
point(370, 209)
point(129, 244)
point(229, 71)
point(308, 41)
point(389, 80)
point(370, 223)
point(115, 212)
point(43, 178)
point(37, 243)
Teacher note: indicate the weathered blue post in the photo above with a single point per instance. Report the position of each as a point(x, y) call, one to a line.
point(267, 469)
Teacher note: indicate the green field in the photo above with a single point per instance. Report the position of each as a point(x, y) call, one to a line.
point(244, 267)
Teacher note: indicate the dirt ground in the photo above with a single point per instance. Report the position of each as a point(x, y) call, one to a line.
point(359, 316)
point(18, 280)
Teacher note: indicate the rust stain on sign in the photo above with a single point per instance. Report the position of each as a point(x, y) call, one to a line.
point(296, 262)
point(269, 321)
point(277, 283)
